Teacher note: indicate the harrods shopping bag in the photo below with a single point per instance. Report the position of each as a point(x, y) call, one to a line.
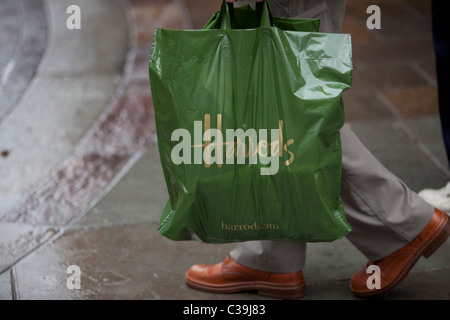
point(248, 121)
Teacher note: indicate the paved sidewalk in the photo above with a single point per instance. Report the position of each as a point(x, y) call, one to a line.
point(81, 183)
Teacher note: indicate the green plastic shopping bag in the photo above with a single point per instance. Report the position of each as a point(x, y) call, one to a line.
point(248, 124)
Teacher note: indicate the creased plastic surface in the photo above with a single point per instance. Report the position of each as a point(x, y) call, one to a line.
point(261, 80)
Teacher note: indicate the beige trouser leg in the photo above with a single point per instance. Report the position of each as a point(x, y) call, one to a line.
point(384, 213)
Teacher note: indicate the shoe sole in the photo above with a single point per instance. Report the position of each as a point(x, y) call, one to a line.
point(262, 289)
point(426, 251)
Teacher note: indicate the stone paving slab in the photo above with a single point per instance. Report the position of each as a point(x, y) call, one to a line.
point(95, 49)
point(405, 158)
point(43, 129)
point(18, 240)
point(117, 262)
point(140, 196)
point(24, 30)
point(419, 285)
point(62, 102)
point(5, 286)
point(58, 111)
point(428, 132)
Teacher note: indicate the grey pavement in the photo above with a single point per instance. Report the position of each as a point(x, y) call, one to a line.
point(80, 178)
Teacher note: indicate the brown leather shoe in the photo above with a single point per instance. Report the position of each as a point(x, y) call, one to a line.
point(395, 267)
point(231, 277)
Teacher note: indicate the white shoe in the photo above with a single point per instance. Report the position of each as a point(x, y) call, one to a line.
point(439, 198)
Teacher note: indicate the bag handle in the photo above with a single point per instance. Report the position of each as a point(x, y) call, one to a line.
point(227, 14)
point(266, 13)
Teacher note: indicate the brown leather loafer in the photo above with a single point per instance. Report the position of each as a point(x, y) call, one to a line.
point(231, 277)
point(395, 267)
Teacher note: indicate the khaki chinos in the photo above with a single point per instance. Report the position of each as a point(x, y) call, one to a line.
point(384, 213)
